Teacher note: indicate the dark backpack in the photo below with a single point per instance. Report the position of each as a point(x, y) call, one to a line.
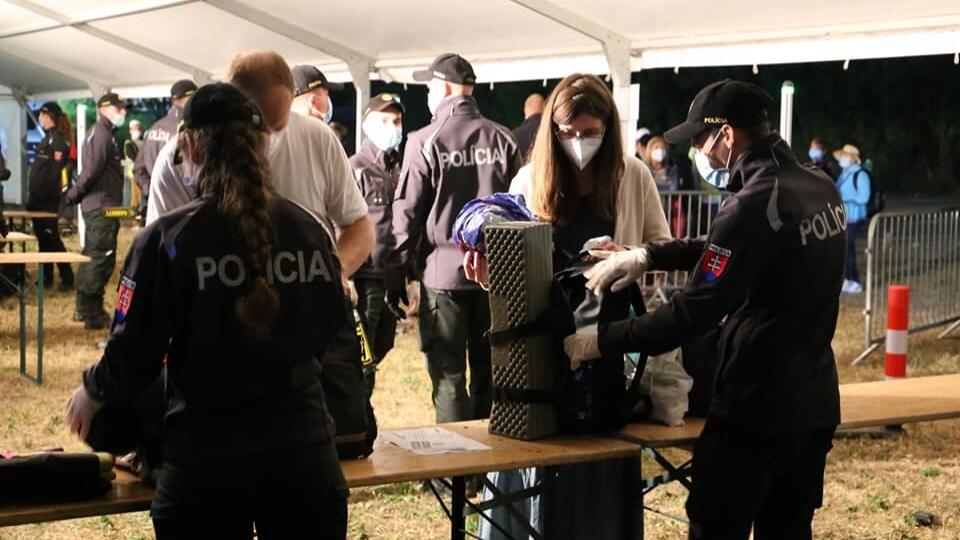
point(877, 201)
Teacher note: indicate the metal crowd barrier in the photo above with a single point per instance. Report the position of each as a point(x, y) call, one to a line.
point(919, 249)
point(689, 215)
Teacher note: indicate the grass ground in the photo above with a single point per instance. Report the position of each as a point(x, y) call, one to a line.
point(872, 487)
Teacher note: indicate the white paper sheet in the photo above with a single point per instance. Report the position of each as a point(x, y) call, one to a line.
point(431, 441)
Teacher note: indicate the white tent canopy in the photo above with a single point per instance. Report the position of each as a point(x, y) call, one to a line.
point(138, 47)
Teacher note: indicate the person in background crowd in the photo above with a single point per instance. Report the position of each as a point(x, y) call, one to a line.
point(527, 131)
point(640, 142)
point(99, 186)
point(671, 175)
point(822, 159)
point(11, 273)
point(48, 178)
point(459, 157)
point(311, 91)
point(248, 439)
point(854, 186)
point(158, 135)
point(376, 168)
point(131, 148)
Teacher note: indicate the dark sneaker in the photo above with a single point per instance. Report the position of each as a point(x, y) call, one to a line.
point(78, 317)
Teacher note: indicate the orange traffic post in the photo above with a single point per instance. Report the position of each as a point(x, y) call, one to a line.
point(898, 316)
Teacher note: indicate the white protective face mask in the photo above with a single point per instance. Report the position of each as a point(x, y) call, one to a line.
point(328, 116)
point(581, 151)
point(433, 101)
point(659, 155)
point(385, 137)
point(118, 120)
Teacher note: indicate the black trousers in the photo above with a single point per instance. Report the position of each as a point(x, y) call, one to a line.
point(452, 325)
point(288, 495)
point(853, 229)
point(745, 479)
point(49, 241)
point(100, 244)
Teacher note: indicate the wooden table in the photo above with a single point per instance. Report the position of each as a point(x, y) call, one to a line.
point(862, 405)
point(387, 465)
point(14, 237)
point(38, 259)
point(24, 215)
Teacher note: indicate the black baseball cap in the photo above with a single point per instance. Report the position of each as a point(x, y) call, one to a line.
point(382, 102)
point(449, 67)
point(111, 98)
point(218, 103)
point(183, 88)
point(306, 78)
point(736, 103)
point(52, 108)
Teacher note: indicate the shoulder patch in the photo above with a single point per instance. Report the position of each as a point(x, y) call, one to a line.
point(124, 298)
point(714, 262)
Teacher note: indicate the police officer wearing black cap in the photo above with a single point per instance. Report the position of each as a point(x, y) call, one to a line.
point(48, 179)
point(159, 133)
point(377, 170)
point(99, 186)
point(771, 266)
point(311, 91)
point(240, 292)
point(458, 157)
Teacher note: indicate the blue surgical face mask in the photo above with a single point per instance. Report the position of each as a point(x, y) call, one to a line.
point(118, 120)
point(845, 162)
point(816, 154)
point(328, 116)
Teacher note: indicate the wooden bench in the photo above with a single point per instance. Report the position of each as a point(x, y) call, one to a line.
point(38, 259)
point(24, 215)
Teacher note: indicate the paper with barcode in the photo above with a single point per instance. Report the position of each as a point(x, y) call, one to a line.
point(431, 441)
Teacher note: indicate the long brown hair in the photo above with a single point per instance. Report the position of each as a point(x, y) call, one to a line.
point(553, 189)
point(234, 173)
point(65, 128)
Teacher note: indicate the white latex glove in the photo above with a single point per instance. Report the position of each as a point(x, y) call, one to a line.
point(621, 268)
point(81, 407)
point(413, 297)
point(582, 346)
point(475, 269)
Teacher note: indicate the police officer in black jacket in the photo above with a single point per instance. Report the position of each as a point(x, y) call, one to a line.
point(99, 186)
point(157, 136)
point(772, 265)
point(240, 292)
point(48, 179)
point(458, 157)
point(377, 170)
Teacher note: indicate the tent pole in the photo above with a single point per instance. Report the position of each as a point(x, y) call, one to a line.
point(360, 72)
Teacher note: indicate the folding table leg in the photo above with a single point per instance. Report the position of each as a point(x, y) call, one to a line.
point(21, 296)
point(40, 279)
point(458, 522)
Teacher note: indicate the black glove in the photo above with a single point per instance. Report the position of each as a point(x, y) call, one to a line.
point(4, 173)
point(395, 297)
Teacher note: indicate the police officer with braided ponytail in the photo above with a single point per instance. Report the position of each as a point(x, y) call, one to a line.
point(241, 293)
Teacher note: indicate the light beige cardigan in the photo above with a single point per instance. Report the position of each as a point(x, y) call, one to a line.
point(640, 217)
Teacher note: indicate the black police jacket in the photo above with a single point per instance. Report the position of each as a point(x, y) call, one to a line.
point(459, 157)
point(377, 174)
point(100, 183)
point(772, 264)
point(49, 173)
point(227, 392)
point(154, 140)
